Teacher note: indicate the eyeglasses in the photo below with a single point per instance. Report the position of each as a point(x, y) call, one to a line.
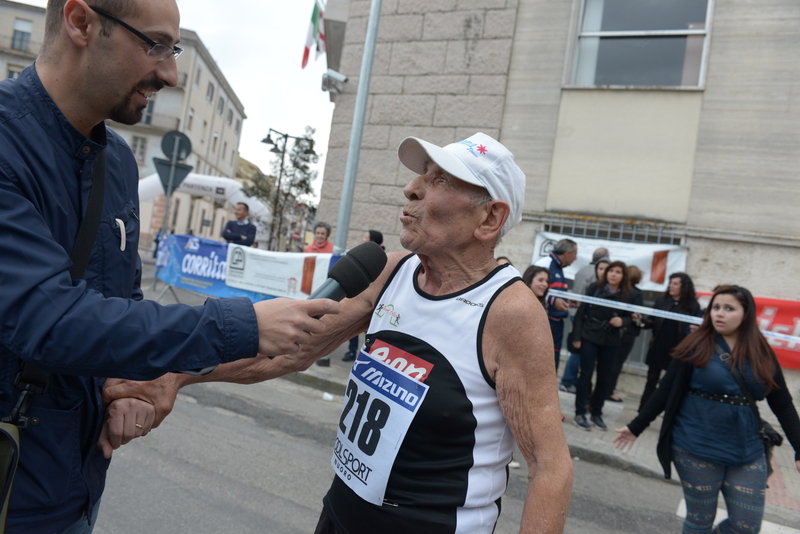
point(157, 51)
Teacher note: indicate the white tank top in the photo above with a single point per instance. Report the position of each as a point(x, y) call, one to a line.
point(450, 470)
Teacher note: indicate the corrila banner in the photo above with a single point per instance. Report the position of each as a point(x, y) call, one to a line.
point(222, 270)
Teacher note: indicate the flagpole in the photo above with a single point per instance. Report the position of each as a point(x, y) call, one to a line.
point(354, 151)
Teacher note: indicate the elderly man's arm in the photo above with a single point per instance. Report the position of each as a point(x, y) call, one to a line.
point(353, 319)
point(518, 352)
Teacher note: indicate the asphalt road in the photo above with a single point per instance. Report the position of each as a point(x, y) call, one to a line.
point(242, 459)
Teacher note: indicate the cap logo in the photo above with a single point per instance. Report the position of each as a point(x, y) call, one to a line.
point(472, 146)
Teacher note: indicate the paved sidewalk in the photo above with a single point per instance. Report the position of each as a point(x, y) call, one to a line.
point(783, 495)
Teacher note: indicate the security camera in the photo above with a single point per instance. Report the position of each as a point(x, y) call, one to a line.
point(337, 76)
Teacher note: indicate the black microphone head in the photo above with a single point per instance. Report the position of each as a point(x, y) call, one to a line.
point(356, 270)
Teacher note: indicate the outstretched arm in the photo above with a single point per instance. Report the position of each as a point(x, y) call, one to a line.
point(518, 353)
point(353, 319)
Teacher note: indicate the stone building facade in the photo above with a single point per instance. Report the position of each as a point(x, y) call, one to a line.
point(704, 154)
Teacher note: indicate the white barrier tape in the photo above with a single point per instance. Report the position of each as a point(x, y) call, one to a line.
point(653, 312)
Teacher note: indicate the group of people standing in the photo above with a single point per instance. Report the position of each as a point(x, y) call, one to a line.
point(714, 374)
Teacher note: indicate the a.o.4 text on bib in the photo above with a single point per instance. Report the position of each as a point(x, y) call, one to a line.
point(380, 403)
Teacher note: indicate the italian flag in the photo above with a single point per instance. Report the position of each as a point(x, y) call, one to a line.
point(316, 34)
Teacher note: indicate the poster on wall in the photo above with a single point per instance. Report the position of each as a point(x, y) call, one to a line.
point(656, 261)
point(293, 275)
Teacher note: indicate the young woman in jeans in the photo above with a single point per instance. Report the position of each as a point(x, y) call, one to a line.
point(709, 429)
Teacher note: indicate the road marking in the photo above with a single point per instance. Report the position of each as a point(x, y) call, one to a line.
point(766, 526)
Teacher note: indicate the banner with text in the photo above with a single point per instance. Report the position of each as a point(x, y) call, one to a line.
point(656, 261)
point(293, 275)
point(198, 264)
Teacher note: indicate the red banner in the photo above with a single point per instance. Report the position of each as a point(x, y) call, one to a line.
point(781, 317)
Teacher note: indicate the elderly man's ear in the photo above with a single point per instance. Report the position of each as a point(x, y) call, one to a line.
point(492, 221)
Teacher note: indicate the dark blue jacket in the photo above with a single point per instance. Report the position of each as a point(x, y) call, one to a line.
point(557, 282)
point(234, 231)
point(86, 330)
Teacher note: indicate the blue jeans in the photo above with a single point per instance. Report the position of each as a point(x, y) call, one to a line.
point(352, 348)
point(603, 357)
point(83, 525)
point(570, 376)
point(557, 329)
point(744, 488)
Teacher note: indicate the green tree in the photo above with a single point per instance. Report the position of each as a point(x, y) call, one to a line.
point(295, 180)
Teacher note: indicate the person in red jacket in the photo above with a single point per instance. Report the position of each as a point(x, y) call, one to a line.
point(321, 245)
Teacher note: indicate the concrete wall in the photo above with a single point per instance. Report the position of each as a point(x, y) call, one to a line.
point(748, 151)
point(440, 73)
point(626, 154)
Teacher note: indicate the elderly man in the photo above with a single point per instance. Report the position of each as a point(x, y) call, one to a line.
point(457, 364)
point(76, 312)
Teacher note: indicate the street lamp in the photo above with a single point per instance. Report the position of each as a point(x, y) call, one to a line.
point(281, 149)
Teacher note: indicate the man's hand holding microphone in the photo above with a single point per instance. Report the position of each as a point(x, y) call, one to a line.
point(284, 327)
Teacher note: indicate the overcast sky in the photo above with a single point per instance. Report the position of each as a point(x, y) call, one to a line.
point(258, 45)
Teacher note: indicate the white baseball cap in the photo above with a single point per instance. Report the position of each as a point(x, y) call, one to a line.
point(478, 160)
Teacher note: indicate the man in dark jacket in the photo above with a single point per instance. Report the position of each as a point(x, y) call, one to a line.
point(241, 231)
point(563, 255)
point(94, 67)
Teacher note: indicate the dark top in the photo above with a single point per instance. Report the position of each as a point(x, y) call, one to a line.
point(667, 333)
point(632, 330)
point(591, 321)
point(239, 233)
point(669, 396)
point(724, 433)
point(85, 330)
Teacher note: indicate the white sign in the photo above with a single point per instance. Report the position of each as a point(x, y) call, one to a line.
point(656, 261)
point(293, 275)
point(380, 403)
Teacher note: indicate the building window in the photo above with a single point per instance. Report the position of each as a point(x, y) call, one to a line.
point(224, 149)
point(22, 34)
point(147, 118)
point(214, 142)
point(190, 119)
point(230, 117)
point(641, 43)
point(220, 105)
point(139, 148)
point(210, 92)
point(238, 124)
point(198, 76)
point(14, 71)
point(203, 137)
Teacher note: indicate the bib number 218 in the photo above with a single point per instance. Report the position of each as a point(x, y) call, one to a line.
point(377, 414)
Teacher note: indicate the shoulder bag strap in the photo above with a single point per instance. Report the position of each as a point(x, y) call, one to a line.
point(32, 380)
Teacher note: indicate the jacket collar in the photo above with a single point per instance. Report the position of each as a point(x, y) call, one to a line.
point(33, 95)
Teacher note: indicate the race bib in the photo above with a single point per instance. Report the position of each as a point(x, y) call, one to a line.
point(380, 403)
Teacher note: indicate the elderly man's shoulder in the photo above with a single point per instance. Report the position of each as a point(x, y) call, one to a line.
point(518, 304)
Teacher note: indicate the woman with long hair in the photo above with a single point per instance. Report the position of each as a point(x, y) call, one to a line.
point(667, 333)
point(630, 333)
point(709, 430)
point(538, 279)
point(598, 336)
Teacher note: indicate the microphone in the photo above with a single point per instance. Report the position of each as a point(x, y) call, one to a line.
point(353, 273)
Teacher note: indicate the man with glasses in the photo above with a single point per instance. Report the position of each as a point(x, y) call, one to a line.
point(100, 61)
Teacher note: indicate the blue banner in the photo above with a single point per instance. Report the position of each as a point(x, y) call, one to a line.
point(199, 265)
